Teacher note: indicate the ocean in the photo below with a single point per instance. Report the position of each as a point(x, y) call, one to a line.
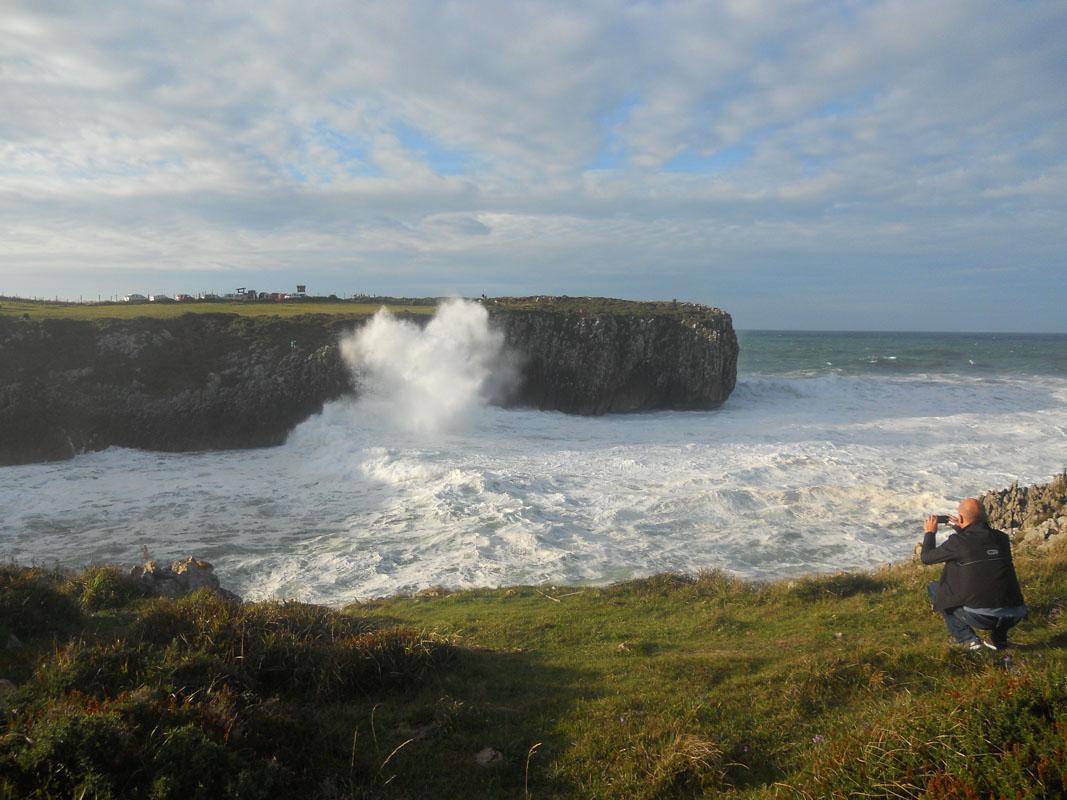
point(828, 454)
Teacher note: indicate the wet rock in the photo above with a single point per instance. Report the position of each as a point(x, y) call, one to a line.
point(13, 642)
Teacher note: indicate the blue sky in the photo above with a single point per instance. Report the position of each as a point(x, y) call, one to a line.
point(868, 165)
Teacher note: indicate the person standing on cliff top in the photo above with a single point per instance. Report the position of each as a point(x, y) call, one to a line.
point(978, 586)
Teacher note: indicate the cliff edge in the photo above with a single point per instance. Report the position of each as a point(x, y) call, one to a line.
point(216, 381)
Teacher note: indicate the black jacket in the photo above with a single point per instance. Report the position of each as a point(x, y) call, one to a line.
point(978, 573)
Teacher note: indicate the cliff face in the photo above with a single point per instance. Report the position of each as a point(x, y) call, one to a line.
point(613, 363)
point(191, 383)
point(212, 381)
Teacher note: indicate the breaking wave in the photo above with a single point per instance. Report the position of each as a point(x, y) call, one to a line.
point(433, 378)
point(792, 475)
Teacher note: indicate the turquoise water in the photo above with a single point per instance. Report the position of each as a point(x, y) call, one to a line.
point(811, 353)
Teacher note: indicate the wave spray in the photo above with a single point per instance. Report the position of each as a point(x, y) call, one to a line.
point(433, 378)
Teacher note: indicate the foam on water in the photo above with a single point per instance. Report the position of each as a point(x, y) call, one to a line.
point(429, 378)
point(792, 475)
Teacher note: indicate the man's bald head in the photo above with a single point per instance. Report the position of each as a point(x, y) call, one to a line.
point(970, 510)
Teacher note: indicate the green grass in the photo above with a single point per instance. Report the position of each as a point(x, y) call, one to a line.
point(590, 306)
point(35, 309)
point(834, 686)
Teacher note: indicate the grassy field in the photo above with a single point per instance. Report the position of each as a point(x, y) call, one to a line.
point(835, 686)
point(40, 309)
point(45, 310)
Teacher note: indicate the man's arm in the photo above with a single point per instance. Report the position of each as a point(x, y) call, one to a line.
point(936, 555)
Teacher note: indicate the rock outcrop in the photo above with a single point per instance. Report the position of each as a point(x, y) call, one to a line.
point(1034, 516)
point(616, 363)
point(183, 577)
point(195, 382)
point(216, 381)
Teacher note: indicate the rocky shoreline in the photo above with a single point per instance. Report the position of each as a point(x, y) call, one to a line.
point(1034, 516)
point(221, 381)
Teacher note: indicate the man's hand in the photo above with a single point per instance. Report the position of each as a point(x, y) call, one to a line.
point(930, 526)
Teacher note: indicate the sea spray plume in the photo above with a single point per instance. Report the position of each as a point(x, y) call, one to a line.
point(433, 378)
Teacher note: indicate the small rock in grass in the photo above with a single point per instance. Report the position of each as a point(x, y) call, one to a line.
point(488, 758)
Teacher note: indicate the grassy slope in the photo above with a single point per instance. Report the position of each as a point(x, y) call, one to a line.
point(662, 687)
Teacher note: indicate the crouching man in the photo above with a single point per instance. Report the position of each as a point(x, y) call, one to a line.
point(978, 586)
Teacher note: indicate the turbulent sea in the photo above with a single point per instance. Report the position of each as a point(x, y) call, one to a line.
point(826, 456)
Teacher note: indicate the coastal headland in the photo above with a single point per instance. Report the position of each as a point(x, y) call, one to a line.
point(837, 685)
point(76, 378)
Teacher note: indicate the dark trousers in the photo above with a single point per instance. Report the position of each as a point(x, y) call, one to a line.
point(961, 623)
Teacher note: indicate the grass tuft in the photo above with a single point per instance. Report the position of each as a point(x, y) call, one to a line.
point(105, 587)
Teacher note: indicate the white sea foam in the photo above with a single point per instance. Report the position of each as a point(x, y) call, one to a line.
point(790, 476)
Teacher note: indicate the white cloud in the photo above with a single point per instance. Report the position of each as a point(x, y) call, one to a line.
point(458, 138)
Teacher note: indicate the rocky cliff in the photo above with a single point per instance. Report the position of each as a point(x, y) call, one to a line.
point(210, 381)
point(597, 364)
point(195, 382)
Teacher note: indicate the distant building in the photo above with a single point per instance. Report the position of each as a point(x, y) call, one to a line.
point(135, 298)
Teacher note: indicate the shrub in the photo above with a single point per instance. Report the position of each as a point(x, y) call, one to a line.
point(100, 588)
point(991, 736)
point(77, 753)
point(135, 746)
point(97, 670)
point(31, 604)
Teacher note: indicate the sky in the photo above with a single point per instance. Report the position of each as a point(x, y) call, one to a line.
point(810, 165)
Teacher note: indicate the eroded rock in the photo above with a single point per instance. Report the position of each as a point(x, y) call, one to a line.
point(180, 578)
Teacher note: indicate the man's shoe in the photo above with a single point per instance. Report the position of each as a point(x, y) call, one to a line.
point(974, 644)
